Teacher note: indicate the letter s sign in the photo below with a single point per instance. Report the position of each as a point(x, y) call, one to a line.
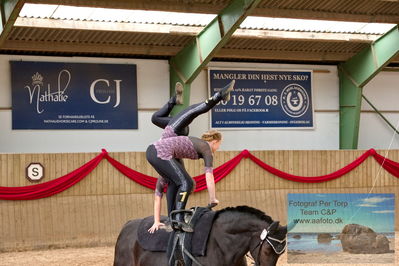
point(35, 172)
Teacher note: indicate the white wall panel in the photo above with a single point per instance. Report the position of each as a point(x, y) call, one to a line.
point(152, 86)
point(383, 92)
point(54, 141)
point(375, 133)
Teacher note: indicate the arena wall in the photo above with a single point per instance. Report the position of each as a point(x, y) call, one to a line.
point(92, 212)
point(153, 79)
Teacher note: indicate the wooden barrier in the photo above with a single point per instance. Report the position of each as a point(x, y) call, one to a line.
point(92, 212)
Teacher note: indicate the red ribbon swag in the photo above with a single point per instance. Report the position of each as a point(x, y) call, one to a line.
point(60, 184)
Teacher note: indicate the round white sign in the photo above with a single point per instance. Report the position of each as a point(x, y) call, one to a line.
point(35, 171)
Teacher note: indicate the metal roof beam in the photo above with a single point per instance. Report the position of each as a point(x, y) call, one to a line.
point(9, 10)
point(354, 74)
point(187, 64)
point(89, 48)
point(325, 15)
point(191, 30)
point(162, 50)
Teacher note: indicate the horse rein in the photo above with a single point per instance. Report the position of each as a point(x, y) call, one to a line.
point(263, 236)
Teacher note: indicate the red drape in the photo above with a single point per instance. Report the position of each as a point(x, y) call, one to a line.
point(52, 187)
point(389, 165)
point(312, 179)
point(219, 172)
point(62, 183)
point(148, 181)
point(144, 180)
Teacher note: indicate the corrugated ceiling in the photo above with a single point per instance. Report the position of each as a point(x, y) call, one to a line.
point(61, 12)
point(163, 36)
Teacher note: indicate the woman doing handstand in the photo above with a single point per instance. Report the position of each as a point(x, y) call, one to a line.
point(163, 155)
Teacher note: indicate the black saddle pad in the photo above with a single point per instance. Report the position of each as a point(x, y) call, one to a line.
point(158, 241)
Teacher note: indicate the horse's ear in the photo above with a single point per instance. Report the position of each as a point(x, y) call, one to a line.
point(273, 227)
point(284, 229)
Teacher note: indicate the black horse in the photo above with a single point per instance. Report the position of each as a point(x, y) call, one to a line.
point(235, 232)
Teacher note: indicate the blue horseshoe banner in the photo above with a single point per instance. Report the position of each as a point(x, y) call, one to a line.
point(263, 99)
point(52, 95)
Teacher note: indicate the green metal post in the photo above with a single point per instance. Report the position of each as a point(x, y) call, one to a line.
point(350, 97)
point(354, 74)
point(188, 63)
point(9, 11)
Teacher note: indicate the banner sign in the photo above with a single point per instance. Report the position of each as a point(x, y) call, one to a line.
point(341, 227)
point(47, 95)
point(263, 99)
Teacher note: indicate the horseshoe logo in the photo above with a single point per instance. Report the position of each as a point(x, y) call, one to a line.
point(294, 100)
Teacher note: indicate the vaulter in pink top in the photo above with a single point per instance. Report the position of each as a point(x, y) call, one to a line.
point(181, 147)
point(165, 154)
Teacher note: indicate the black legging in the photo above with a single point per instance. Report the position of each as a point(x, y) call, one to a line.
point(161, 117)
point(176, 174)
point(186, 116)
point(172, 170)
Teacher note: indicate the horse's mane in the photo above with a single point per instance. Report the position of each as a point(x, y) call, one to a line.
point(246, 209)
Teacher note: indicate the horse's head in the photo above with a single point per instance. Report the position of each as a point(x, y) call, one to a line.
point(269, 244)
point(250, 229)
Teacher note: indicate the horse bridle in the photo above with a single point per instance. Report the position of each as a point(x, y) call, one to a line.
point(265, 236)
point(260, 244)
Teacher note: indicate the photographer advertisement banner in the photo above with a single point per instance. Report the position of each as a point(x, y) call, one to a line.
point(341, 228)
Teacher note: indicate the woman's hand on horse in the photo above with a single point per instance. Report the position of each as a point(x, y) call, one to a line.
point(214, 202)
point(155, 227)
